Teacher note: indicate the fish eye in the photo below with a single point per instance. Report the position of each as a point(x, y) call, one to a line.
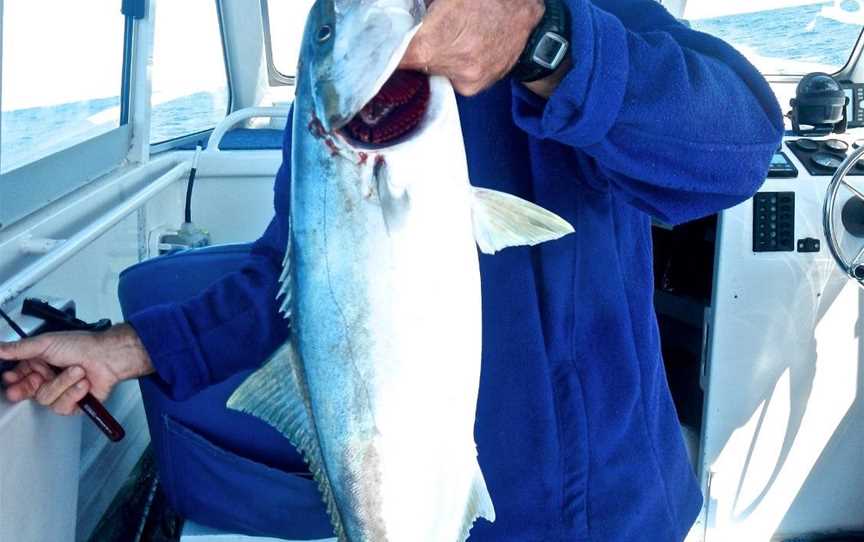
point(324, 33)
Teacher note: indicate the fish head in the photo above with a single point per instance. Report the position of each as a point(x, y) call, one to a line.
point(352, 47)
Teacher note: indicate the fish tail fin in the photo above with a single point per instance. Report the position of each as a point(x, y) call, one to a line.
point(503, 220)
point(276, 393)
point(479, 505)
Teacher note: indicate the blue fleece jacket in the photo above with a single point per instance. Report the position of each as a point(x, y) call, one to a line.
point(576, 431)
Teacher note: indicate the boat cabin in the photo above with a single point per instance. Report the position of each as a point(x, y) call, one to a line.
point(108, 106)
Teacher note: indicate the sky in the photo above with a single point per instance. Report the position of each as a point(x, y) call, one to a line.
point(60, 51)
point(47, 60)
point(287, 19)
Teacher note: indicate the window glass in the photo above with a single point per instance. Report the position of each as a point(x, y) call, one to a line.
point(287, 20)
point(190, 84)
point(62, 73)
point(784, 36)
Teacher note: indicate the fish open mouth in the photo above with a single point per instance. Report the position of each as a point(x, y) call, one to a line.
point(395, 112)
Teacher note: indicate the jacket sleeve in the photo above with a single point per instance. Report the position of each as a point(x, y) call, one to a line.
point(232, 325)
point(675, 121)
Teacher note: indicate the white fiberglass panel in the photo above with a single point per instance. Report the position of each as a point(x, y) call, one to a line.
point(784, 416)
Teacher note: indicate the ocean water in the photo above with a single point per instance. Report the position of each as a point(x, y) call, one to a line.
point(789, 40)
point(783, 40)
point(29, 134)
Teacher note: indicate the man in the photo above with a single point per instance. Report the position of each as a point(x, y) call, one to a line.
point(576, 431)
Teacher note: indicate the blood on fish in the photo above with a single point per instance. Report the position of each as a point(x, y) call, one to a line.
point(363, 158)
point(316, 128)
point(334, 149)
point(397, 109)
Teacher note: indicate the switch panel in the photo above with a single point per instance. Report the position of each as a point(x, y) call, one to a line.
point(774, 222)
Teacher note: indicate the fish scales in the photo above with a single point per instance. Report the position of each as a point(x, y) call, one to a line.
point(378, 383)
point(388, 325)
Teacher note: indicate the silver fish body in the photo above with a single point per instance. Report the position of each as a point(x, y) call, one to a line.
point(386, 310)
point(378, 384)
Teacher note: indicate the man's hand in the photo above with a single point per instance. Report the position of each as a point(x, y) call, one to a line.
point(473, 42)
point(91, 362)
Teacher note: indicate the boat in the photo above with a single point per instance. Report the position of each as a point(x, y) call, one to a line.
point(105, 113)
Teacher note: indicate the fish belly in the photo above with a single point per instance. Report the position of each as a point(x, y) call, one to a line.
point(388, 328)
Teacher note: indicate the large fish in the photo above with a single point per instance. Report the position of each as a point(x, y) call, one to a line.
point(378, 385)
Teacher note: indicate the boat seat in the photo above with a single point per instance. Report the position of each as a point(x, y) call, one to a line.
point(219, 467)
point(244, 139)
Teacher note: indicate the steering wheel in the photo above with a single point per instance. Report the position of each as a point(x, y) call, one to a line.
point(852, 217)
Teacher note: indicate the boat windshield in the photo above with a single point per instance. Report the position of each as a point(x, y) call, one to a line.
point(784, 37)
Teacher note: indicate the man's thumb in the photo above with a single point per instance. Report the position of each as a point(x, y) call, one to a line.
point(420, 52)
point(415, 57)
point(23, 349)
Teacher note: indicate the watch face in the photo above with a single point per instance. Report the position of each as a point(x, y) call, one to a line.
point(550, 51)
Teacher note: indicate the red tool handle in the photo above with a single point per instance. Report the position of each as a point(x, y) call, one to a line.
point(97, 412)
point(102, 418)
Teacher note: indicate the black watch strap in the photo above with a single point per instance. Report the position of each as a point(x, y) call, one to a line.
point(548, 45)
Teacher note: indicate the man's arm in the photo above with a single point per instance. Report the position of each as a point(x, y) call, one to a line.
point(93, 363)
point(676, 122)
point(232, 325)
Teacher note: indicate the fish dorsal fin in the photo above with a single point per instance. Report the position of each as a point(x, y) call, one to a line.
point(503, 220)
point(286, 286)
point(277, 394)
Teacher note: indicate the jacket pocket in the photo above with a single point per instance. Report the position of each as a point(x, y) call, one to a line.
point(573, 442)
point(221, 489)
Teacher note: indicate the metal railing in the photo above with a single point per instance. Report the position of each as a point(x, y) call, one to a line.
point(237, 117)
point(66, 249)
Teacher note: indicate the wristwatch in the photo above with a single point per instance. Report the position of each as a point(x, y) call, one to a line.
point(547, 46)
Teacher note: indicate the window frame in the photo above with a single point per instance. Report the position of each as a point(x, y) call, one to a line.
point(181, 140)
point(30, 187)
point(27, 189)
point(126, 76)
point(276, 77)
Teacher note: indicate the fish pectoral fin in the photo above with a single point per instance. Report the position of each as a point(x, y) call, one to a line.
point(394, 198)
point(277, 394)
point(503, 220)
point(479, 505)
